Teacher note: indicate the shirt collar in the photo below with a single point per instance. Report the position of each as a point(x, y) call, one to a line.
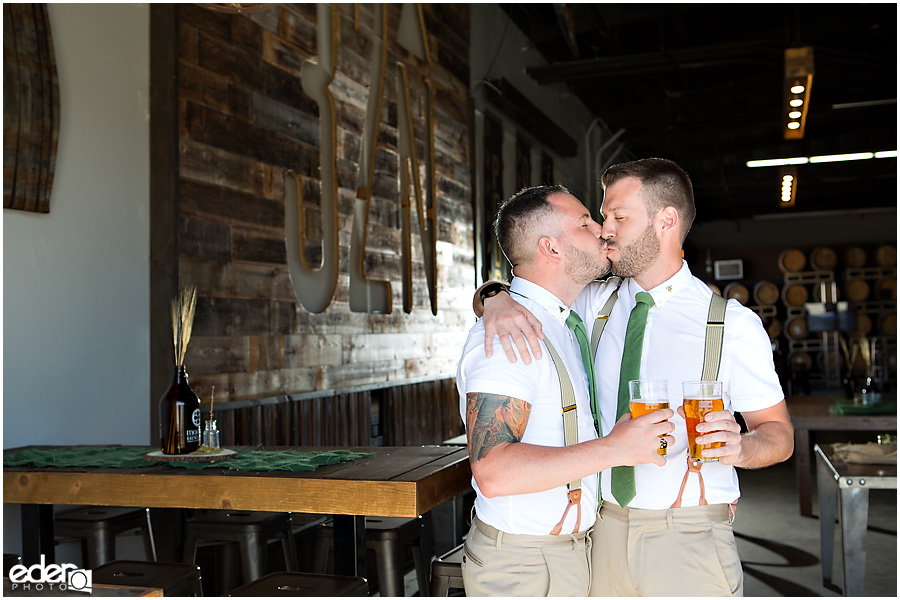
point(540, 296)
point(666, 289)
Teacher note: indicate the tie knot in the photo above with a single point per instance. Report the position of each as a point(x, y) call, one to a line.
point(644, 298)
point(573, 320)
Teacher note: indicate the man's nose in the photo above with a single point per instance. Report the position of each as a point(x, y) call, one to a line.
point(607, 231)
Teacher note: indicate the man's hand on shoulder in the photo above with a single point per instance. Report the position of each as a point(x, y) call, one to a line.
point(513, 324)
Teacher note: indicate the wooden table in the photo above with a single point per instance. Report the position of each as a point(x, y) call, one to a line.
point(809, 414)
point(850, 483)
point(394, 482)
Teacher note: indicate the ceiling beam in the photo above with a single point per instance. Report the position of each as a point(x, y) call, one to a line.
point(766, 53)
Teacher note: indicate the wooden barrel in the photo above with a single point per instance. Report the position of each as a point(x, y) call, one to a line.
point(773, 327)
point(856, 290)
point(714, 288)
point(854, 257)
point(823, 259)
point(886, 256)
point(765, 292)
point(800, 361)
point(887, 323)
point(791, 261)
point(886, 289)
point(863, 325)
point(794, 294)
point(737, 291)
point(795, 328)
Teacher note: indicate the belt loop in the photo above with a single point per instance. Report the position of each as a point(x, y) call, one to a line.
point(732, 510)
point(669, 514)
point(499, 537)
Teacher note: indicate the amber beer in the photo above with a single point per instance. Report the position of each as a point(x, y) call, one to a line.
point(646, 396)
point(700, 399)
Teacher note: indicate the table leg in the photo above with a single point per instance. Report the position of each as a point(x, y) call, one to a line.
point(350, 545)
point(37, 534)
point(828, 496)
point(854, 518)
point(803, 456)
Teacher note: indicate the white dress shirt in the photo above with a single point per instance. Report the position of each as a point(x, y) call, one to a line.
point(538, 385)
point(673, 350)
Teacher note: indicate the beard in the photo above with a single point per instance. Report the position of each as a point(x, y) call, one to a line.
point(584, 267)
point(633, 259)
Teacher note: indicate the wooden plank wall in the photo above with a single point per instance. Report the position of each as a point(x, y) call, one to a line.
point(404, 415)
point(244, 120)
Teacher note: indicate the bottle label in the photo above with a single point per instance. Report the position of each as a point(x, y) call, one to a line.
point(195, 418)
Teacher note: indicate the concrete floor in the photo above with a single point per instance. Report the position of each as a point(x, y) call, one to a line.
point(780, 550)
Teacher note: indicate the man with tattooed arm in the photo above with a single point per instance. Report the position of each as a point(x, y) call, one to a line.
point(533, 444)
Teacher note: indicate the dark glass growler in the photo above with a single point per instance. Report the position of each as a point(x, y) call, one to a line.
point(179, 416)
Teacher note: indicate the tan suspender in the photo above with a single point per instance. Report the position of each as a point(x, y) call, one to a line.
point(712, 358)
point(570, 429)
point(603, 318)
point(715, 333)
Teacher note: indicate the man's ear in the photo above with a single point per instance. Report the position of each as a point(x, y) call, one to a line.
point(549, 248)
point(668, 220)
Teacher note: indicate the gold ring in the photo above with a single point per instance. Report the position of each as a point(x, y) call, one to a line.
point(663, 444)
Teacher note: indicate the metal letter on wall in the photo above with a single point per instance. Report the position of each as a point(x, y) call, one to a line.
point(369, 295)
point(30, 107)
point(409, 167)
point(315, 286)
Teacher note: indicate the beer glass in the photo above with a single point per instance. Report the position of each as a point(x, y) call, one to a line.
point(700, 399)
point(646, 396)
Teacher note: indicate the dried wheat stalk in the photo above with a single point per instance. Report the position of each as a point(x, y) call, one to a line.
point(183, 321)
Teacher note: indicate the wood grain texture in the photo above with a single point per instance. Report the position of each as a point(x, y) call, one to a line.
point(394, 482)
point(243, 119)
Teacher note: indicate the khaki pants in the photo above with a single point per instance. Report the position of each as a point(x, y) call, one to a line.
point(495, 563)
point(675, 552)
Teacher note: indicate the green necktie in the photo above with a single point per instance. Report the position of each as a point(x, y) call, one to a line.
point(622, 482)
point(575, 323)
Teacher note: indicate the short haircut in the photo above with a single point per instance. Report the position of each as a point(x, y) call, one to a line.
point(663, 183)
point(524, 218)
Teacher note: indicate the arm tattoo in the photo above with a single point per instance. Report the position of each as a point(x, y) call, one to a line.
point(493, 419)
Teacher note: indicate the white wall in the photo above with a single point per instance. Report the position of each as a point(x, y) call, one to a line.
point(76, 281)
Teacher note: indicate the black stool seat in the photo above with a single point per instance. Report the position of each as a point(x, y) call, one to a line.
point(250, 530)
point(387, 537)
point(175, 579)
point(97, 527)
point(446, 572)
point(303, 584)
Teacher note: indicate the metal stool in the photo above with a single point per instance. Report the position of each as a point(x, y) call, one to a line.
point(386, 537)
point(303, 584)
point(97, 527)
point(446, 572)
point(250, 530)
point(175, 579)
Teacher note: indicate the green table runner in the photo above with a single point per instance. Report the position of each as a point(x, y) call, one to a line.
point(127, 457)
point(843, 406)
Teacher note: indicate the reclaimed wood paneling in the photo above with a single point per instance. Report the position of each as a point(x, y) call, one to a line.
point(244, 120)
